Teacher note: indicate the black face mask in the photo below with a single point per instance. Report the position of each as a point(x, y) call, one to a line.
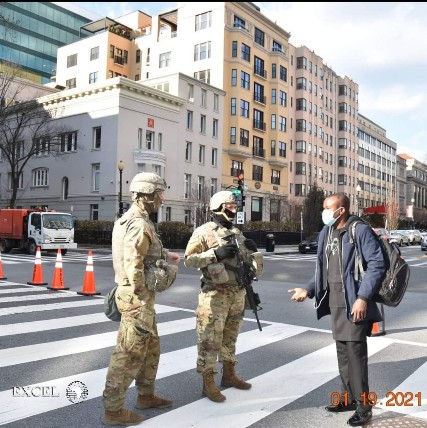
point(220, 218)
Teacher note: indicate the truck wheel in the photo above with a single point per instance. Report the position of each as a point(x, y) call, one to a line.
point(63, 252)
point(3, 246)
point(32, 248)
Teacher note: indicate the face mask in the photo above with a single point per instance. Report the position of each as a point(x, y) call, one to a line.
point(328, 217)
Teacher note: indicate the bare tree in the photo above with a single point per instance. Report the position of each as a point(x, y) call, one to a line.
point(392, 210)
point(198, 203)
point(313, 206)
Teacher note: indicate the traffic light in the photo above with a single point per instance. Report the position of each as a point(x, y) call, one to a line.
point(240, 186)
point(238, 196)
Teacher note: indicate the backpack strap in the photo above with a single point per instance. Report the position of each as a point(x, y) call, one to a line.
point(358, 266)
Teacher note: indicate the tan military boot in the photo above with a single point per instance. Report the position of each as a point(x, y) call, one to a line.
point(210, 389)
point(152, 401)
point(122, 417)
point(230, 378)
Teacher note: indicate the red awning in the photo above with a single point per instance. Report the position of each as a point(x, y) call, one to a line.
point(379, 209)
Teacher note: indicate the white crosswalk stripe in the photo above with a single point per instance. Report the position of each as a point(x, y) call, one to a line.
point(74, 329)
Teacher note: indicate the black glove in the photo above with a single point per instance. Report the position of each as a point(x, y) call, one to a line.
point(227, 251)
point(250, 245)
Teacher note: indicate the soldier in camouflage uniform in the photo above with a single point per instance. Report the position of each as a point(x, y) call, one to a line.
point(141, 269)
point(221, 300)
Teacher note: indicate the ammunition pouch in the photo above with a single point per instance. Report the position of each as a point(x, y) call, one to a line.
point(218, 273)
point(258, 263)
point(159, 276)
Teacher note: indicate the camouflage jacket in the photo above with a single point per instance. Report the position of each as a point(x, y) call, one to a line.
point(135, 245)
point(200, 253)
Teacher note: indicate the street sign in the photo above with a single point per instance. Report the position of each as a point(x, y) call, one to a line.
point(240, 217)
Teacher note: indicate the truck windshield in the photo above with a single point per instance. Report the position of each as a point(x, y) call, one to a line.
point(57, 221)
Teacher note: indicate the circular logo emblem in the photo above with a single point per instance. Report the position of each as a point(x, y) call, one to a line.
point(76, 391)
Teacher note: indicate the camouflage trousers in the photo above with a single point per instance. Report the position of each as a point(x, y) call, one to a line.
point(219, 318)
point(135, 357)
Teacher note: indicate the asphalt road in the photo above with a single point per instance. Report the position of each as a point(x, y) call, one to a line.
point(57, 338)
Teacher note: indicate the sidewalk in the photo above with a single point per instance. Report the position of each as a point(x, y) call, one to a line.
point(103, 249)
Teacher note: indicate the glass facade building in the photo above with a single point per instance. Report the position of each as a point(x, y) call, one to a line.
point(32, 32)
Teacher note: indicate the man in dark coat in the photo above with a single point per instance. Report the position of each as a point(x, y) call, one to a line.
point(348, 299)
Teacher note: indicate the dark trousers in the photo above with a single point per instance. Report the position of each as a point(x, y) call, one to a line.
point(353, 368)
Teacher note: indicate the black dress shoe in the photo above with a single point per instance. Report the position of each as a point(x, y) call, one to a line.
point(341, 407)
point(360, 418)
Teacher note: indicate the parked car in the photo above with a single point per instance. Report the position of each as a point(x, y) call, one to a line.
point(309, 245)
point(382, 233)
point(414, 236)
point(424, 241)
point(398, 238)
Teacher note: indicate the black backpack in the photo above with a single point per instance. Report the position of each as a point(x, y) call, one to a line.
point(396, 278)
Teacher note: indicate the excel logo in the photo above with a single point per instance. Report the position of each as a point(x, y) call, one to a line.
point(34, 391)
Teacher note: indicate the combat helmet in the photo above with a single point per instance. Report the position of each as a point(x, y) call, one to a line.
point(219, 198)
point(147, 182)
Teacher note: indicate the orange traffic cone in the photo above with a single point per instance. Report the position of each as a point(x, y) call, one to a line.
point(89, 279)
point(58, 277)
point(376, 330)
point(2, 278)
point(38, 271)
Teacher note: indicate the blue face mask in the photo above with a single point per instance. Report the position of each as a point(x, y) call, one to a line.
point(328, 217)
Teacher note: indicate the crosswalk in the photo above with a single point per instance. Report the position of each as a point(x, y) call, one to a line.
point(52, 340)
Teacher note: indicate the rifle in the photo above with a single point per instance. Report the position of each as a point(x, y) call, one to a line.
point(245, 275)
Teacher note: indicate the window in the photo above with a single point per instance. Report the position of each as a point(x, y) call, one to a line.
point(203, 20)
point(283, 73)
point(214, 186)
point(282, 123)
point(96, 169)
point(204, 98)
point(200, 186)
point(149, 140)
point(215, 128)
point(301, 83)
point(187, 216)
point(300, 168)
point(69, 142)
point(259, 93)
point(302, 62)
point(233, 135)
point(188, 146)
point(20, 180)
point(259, 67)
point(214, 160)
point(277, 47)
point(191, 93)
point(275, 177)
point(216, 102)
point(202, 154)
point(96, 144)
point(203, 124)
point(273, 70)
point(282, 149)
point(234, 49)
point(273, 96)
point(244, 80)
point(138, 56)
point(94, 211)
point(203, 75)
point(202, 51)
point(282, 98)
point(244, 108)
point(64, 188)
point(259, 36)
point(239, 22)
point(42, 146)
point(233, 107)
point(257, 172)
point(300, 146)
point(300, 190)
point(164, 60)
point(273, 121)
point(94, 53)
point(40, 177)
point(70, 83)
point(189, 120)
point(236, 167)
point(258, 147)
point(93, 77)
point(187, 185)
point(71, 60)
point(246, 52)
point(244, 137)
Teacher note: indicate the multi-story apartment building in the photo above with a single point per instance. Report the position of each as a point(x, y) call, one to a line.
point(376, 166)
point(32, 32)
point(144, 128)
point(401, 185)
point(416, 189)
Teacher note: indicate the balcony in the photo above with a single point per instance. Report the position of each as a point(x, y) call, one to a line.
point(258, 151)
point(260, 98)
point(259, 124)
point(260, 72)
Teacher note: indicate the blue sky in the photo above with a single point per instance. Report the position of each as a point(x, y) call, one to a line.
point(381, 46)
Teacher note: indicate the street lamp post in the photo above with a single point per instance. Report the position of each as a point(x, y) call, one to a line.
point(413, 221)
point(120, 167)
point(358, 189)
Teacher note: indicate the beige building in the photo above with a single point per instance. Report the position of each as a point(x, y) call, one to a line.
point(290, 121)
